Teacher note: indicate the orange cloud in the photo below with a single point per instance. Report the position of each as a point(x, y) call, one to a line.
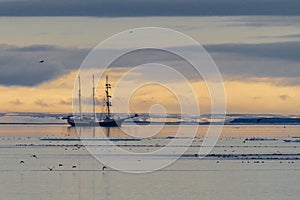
point(242, 97)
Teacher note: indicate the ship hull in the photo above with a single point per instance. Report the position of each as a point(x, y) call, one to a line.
point(104, 123)
point(111, 123)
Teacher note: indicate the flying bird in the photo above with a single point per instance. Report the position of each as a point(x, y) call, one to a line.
point(42, 61)
point(51, 168)
point(34, 156)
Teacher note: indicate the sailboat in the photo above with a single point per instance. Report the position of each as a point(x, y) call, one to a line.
point(107, 121)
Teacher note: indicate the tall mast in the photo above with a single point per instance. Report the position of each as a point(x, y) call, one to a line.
point(79, 97)
point(108, 103)
point(94, 107)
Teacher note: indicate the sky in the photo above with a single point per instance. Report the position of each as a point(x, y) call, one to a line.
point(141, 8)
point(254, 43)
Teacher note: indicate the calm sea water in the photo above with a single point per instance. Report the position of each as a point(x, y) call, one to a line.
point(76, 174)
point(148, 131)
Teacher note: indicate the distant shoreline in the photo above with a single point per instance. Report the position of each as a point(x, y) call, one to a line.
point(160, 123)
point(31, 123)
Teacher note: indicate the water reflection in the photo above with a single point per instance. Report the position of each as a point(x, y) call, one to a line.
point(91, 132)
point(140, 132)
point(77, 185)
point(106, 185)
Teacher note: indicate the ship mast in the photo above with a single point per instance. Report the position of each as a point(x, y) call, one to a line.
point(94, 107)
point(108, 103)
point(79, 97)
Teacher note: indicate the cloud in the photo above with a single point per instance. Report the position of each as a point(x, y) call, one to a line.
point(149, 55)
point(35, 48)
point(118, 8)
point(22, 66)
point(16, 102)
point(65, 102)
point(248, 62)
point(288, 36)
point(276, 62)
point(263, 21)
point(41, 103)
point(284, 97)
point(259, 62)
point(255, 97)
point(279, 51)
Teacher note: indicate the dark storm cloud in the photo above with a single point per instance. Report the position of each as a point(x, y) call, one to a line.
point(32, 65)
point(119, 8)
